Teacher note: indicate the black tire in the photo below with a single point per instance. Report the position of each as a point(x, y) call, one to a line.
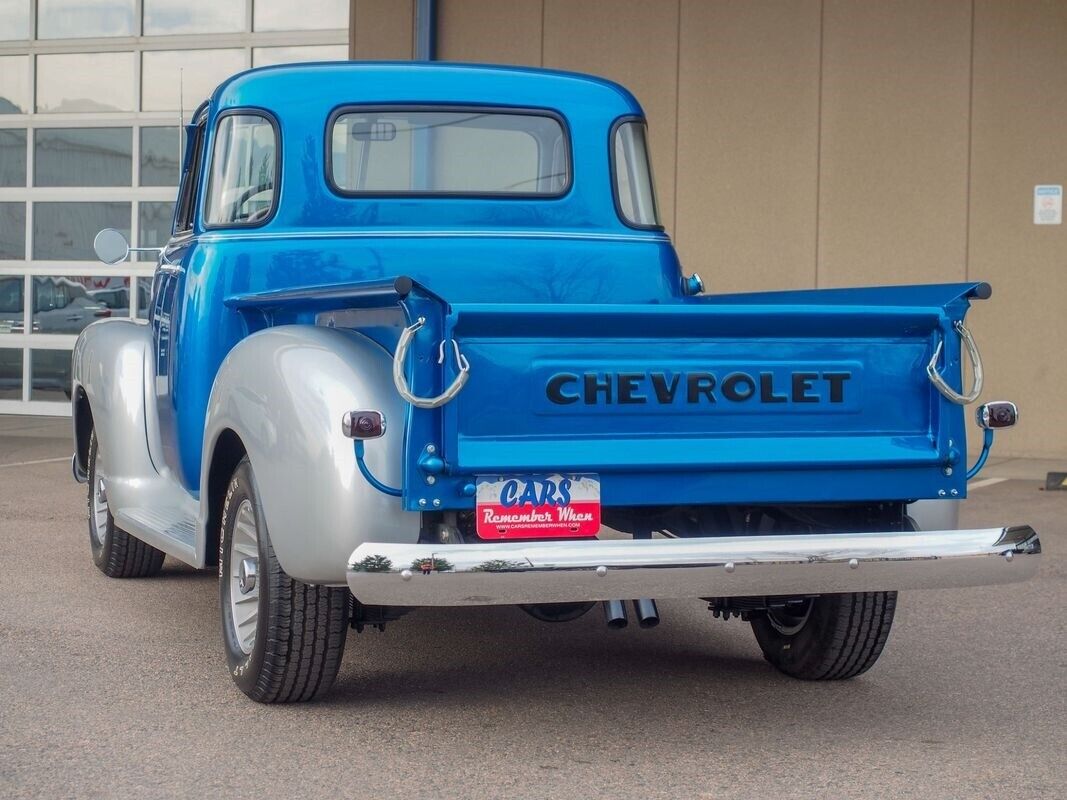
point(300, 629)
point(116, 553)
point(837, 636)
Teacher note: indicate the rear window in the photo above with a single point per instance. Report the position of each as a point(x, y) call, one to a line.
point(453, 152)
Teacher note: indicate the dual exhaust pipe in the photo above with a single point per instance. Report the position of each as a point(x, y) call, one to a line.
point(645, 610)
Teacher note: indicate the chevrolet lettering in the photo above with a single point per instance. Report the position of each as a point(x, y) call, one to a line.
point(666, 388)
point(436, 348)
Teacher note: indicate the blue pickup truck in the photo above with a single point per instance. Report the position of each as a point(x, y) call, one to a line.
point(419, 338)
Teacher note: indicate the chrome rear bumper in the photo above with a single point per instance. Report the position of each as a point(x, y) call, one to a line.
point(729, 566)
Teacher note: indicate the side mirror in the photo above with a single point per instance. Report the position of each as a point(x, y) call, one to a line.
point(111, 246)
point(998, 414)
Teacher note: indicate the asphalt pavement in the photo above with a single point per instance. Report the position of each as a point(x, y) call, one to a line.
point(118, 688)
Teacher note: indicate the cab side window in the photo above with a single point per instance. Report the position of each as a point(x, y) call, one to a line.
point(183, 214)
point(244, 163)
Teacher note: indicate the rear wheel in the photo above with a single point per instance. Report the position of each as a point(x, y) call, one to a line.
point(116, 553)
point(830, 637)
point(284, 639)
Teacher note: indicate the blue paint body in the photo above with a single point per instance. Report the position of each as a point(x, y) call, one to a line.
point(532, 288)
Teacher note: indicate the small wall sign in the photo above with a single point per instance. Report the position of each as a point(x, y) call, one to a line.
point(1048, 205)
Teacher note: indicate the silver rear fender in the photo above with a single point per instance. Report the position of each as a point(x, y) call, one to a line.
point(283, 391)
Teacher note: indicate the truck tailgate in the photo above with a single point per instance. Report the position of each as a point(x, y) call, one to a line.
point(772, 398)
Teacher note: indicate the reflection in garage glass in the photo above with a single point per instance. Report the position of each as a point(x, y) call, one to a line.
point(164, 17)
point(14, 84)
point(285, 15)
point(159, 156)
point(266, 56)
point(50, 375)
point(85, 82)
point(67, 304)
point(200, 72)
point(155, 224)
point(11, 304)
point(144, 297)
point(82, 157)
point(13, 231)
point(68, 19)
point(65, 231)
point(12, 157)
point(10, 373)
point(14, 20)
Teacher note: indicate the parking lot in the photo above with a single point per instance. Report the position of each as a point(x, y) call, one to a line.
point(119, 688)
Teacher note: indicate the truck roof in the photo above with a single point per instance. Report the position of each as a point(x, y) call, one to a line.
point(303, 99)
point(343, 82)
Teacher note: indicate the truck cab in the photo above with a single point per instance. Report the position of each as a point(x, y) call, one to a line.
point(419, 338)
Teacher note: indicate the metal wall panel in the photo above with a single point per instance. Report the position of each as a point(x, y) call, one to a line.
point(490, 31)
point(381, 29)
point(1019, 141)
point(894, 134)
point(634, 42)
point(748, 114)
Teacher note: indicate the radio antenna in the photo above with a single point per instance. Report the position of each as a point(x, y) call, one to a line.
point(181, 114)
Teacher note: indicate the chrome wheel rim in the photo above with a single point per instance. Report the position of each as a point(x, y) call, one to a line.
point(244, 578)
point(98, 508)
point(791, 619)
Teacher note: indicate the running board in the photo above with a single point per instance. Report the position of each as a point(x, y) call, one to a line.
point(171, 530)
point(727, 566)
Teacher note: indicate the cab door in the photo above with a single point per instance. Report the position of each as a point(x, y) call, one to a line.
point(168, 292)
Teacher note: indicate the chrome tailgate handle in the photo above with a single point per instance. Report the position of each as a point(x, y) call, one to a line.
point(401, 383)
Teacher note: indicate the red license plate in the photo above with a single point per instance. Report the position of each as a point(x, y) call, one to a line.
point(538, 506)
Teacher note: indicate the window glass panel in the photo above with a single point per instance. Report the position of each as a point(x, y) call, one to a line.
point(110, 295)
point(13, 231)
point(68, 304)
point(186, 205)
point(265, 56)
point(82, 157)
point(155, 226)
point(69, 19)
point(10, 372)
point(200, 72)
point(14, 84)
point(12, 288)
point(65, 231)
point(144, 297)
point(85, 82)
point(285, 15)
point(242, 171)
point(50, 375)
point(12, 157)
point(159, 157)
point(449, 152)
point(634, 188)
point(193, 16)
point(14, 19)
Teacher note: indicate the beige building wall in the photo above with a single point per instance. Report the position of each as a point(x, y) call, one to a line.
point(802, 143)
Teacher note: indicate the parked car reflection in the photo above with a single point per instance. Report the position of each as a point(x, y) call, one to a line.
point(12, 304)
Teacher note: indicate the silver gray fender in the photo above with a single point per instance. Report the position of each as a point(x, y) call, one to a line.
point(283, 392)
point(108, 366)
